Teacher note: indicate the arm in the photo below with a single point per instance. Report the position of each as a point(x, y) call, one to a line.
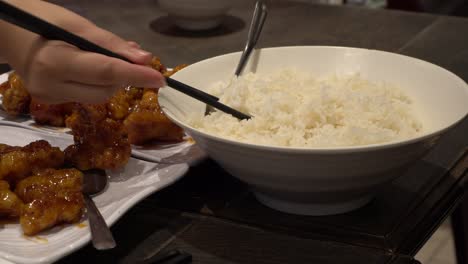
point(55, 72)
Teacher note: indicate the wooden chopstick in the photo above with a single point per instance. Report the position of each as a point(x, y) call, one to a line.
point(47, 30)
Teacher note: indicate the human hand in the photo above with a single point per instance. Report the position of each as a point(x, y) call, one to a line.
point(56, 72)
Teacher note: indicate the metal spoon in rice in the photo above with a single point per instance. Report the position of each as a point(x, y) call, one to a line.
point(256, 26)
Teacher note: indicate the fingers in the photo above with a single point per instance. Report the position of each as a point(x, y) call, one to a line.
point(133, 44)
point(63, 73)
point(98, 69)
point(72, 64)
point(130, 50)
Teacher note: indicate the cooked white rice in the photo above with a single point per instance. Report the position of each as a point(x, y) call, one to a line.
point(292, 108)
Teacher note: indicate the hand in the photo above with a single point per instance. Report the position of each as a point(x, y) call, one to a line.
point(56, 72)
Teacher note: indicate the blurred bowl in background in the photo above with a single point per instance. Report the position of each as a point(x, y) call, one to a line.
point(196, 14)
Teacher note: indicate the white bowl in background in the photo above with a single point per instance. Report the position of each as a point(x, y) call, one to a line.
point(323, 181)
point(196, 14)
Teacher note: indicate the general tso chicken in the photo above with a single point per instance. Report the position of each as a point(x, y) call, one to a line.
point(15, 98)
point(10, 204)
point(147, 121)
point(17, 163)
point(37, 189)
point(139, 113)
point(52, 115)
point(50, 197)
point(100, 142)
point(40, 184)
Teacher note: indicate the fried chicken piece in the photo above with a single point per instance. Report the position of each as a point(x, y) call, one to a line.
point(17, 163)
point(4, 86)
point(174, 70)
point(52, 115)
point(51, 197)
point(10, 204)
point(148, 122)
point(4, 147)
point(100, 142)
point(157, 65)
point(123, 102)
point(15, 97)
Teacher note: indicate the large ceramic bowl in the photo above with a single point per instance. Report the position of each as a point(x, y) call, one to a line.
point(321, 181)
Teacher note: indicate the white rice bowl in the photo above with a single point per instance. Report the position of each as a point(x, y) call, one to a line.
point(328, 137)
point(293, 108)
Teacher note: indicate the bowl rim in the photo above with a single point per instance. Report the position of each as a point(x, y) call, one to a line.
point(332, 149)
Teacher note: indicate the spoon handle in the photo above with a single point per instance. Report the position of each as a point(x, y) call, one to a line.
point(258, 19)
point(100, 234)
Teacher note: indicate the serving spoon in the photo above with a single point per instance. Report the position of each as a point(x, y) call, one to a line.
point(256, 26)
point(94, 182)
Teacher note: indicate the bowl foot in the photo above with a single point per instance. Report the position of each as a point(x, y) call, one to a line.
point(313, 209)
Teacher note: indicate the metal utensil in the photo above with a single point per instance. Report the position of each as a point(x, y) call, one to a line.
point(256, 26)
point(94, 182)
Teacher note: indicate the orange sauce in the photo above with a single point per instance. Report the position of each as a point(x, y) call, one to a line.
point(41, 239)
point(37, 239)
point(81, 225)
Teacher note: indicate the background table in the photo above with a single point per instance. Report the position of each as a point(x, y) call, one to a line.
point(215, 218)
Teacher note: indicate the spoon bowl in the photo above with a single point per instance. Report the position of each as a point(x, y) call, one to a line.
point(94, 182)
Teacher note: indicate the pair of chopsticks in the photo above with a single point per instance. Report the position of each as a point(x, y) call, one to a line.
point(34, 24)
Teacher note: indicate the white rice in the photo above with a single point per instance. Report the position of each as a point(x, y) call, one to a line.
point(292, 108)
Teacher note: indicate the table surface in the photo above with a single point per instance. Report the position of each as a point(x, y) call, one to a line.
point(215, 218)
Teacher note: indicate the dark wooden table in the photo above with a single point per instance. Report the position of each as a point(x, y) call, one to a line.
point(215, 218)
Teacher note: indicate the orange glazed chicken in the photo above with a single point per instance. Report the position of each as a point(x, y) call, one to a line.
point(100, 142)
point(123, 103)
point(17, 163)
point(51, 197)
point(16, 98)
point(10, 204)
point(53, 115)
point(147, 122)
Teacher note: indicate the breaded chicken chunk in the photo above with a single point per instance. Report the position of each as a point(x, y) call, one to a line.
point(17, 163)
point(16, 98)
point(100, 142)
point(147, 122)
point(123, 102)
point(52, 115)
point(51, 197)
point(10, 204)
